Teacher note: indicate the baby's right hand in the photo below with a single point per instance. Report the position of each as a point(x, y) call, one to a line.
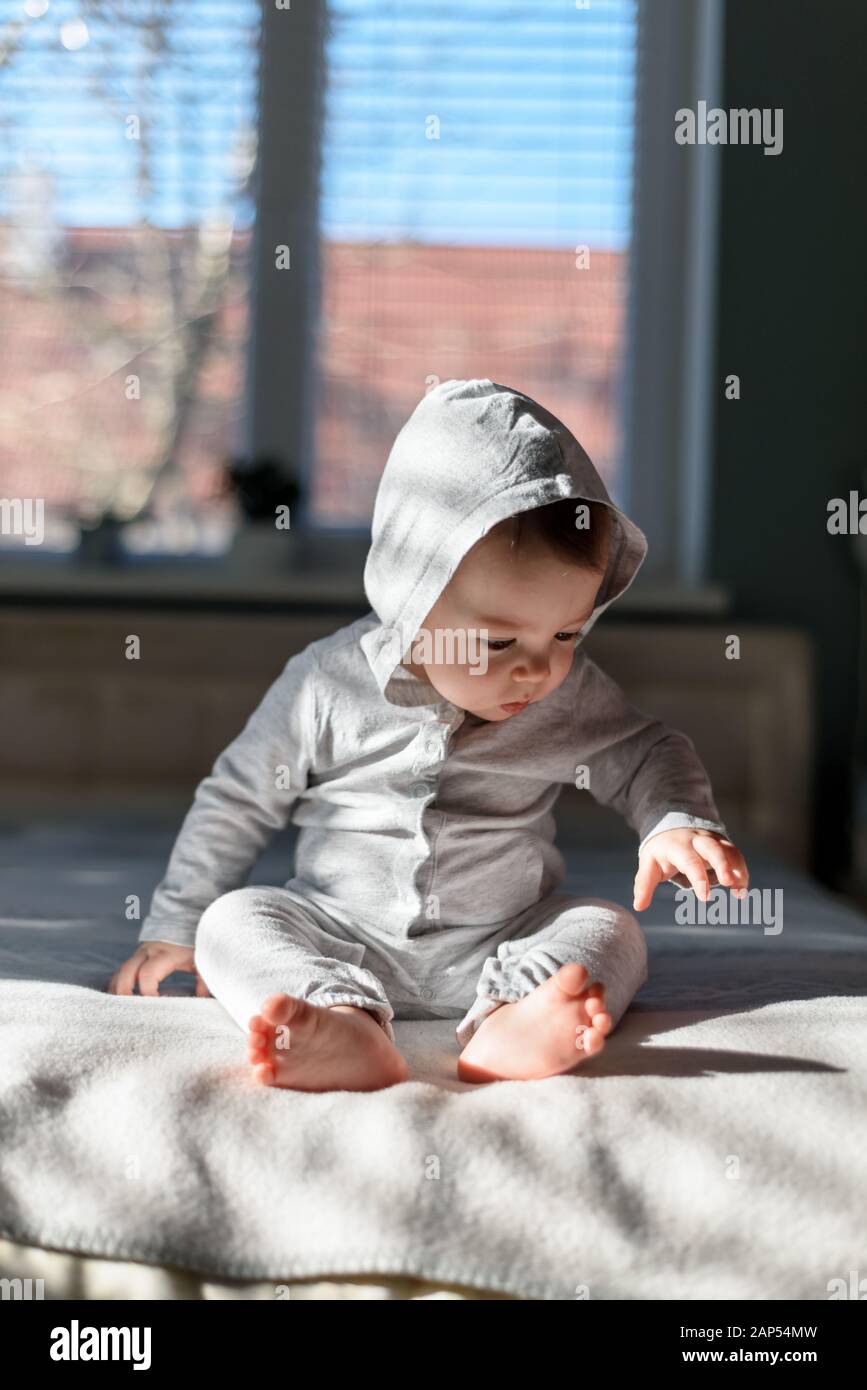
point(152, 962)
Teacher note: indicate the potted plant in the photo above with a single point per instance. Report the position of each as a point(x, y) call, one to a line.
point(263, 540)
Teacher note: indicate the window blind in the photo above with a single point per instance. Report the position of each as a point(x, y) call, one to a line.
point(476, 211)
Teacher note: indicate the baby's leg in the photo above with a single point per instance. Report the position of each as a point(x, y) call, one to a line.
point(548, 1000)
point(317, 1019)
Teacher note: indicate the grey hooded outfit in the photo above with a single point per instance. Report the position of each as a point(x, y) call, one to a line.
point(426, 876)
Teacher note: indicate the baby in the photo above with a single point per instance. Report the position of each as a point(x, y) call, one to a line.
point(420, 750)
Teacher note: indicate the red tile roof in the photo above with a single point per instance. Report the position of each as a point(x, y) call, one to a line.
point(394, 317)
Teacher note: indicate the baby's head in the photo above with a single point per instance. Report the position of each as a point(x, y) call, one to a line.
point(532, 581)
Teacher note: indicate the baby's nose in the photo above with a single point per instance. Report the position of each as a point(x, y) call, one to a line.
point(537, 673)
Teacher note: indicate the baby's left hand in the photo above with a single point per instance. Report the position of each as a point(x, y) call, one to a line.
point(688, 851)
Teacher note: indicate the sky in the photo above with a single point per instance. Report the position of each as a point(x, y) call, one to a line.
point(531, 106)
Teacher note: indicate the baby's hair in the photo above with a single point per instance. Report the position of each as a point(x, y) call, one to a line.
point(554, 525)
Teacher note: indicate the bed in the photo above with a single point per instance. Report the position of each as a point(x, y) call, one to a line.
point(713, 1150)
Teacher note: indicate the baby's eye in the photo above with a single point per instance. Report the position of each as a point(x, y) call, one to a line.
point(501, 644)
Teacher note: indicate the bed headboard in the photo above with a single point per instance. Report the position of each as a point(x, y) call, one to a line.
point(84, 724)
point(750, 718)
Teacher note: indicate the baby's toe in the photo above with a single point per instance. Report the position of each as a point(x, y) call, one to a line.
point(571, 978)
point(594, 1005)
point(279, 1009)
point(593, 1040)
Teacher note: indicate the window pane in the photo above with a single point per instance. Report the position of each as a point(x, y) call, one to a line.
point(127, 140)
point(471, 148)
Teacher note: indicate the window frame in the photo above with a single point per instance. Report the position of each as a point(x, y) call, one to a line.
point(669, 394)
point(281, 379)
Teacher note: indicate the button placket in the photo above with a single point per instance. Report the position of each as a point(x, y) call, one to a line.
point(433, 747)
point(434, 744)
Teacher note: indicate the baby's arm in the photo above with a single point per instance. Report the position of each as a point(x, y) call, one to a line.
point(248, 795)
point(647, 771)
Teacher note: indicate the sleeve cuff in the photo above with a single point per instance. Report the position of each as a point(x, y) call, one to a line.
point(172, 933)
point(681, 820)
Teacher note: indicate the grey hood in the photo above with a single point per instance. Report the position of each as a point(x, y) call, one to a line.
point(472, 454)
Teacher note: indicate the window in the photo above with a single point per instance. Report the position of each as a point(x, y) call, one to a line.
point(473, 188)
point(127, 140)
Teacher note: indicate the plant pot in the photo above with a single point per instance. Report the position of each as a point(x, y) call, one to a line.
point(259, 548)
point(101, 544)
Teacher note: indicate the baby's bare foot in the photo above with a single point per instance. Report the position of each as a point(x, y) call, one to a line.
point(307, 1047)
point(549, 1031)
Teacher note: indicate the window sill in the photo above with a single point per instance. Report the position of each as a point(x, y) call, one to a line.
point(326, 573)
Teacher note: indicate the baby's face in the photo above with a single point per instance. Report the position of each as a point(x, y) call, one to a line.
point(532, 603)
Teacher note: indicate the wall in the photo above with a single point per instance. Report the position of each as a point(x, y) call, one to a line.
point(792, 312)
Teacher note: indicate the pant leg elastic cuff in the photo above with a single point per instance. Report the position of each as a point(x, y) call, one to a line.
point(475, 1016)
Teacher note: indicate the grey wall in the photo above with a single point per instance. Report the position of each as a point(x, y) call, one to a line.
point(792, 302)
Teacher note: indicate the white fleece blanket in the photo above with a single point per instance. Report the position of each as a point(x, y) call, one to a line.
point(714, 1150)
